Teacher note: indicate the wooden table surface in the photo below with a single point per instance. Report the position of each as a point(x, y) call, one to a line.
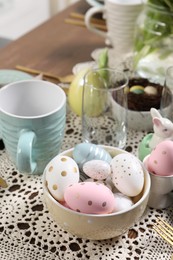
point(54, 46)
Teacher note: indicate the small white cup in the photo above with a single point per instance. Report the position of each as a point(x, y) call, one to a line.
point(161, 195)
point(120, 20)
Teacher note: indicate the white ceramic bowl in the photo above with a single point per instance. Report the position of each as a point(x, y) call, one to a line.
point(139, 120)
point(98, 227)
point(136, 120)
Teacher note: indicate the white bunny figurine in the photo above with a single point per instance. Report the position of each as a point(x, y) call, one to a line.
point(163, 128)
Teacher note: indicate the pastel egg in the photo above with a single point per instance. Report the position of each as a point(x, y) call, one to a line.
point(97, 169)
point(126, 90)
point(150, 90)
point(85, 152)
point(137, 89)
point(161, 158)
point(61, 172)
point(122, 202)
point(89, 198)
point(127, 174)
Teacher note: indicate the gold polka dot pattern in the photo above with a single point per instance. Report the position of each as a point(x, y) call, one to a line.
point(62, 169)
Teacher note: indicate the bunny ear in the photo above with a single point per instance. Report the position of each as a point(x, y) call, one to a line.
point(157, 122)
point(155, 113)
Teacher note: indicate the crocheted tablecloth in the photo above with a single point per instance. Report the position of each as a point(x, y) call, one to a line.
point(28, 232)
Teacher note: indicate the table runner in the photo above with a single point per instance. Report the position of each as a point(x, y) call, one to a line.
point(27, 230)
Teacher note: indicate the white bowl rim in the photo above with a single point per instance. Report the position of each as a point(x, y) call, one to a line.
point(146, 193)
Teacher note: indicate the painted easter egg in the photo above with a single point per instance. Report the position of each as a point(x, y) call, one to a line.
point(97, 169)
point(89, 198)
point(85, 152)
point(160, 161)
point(61, 172)
point(150, 90)
point(127, 174)
point(137, 89)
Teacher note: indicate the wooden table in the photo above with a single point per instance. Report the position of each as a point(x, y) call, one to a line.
point(54, 46)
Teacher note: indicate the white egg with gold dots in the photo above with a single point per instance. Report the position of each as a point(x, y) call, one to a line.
point(127, 174)
point(61, 172)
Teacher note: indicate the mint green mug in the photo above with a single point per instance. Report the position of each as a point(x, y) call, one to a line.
point(32, 123)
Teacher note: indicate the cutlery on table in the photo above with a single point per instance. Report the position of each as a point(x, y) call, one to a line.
point(79, 19)
point(164, 230)
point(46, 75)
point(63, 82)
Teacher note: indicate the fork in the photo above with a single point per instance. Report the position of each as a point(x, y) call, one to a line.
point(164, 230)
point(65, 79)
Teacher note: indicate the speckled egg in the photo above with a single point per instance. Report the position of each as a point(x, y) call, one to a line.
point(89, 198)
point(61, 172)
point(85, 152)
point(127, 174)
point(97, 169)
point(122, 202)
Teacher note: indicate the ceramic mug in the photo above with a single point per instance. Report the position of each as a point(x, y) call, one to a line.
point(32, 122)
point(120, 17)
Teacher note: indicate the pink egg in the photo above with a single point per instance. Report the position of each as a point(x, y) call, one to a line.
point(160, 161)
point(90, 198)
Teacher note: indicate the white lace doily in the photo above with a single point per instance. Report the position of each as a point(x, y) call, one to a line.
point(27, 231)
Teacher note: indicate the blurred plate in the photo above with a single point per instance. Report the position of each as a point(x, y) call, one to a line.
point(95, 2)
point(9, 76)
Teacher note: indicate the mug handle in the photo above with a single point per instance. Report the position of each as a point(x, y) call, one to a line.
point(88, 16)
point(24, 152)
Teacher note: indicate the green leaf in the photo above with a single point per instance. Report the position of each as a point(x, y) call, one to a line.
point(103, 59)
point(156, 28)
point(169, 4)
point(103, 63)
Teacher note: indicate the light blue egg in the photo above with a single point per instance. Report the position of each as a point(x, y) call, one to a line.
point(85, 152)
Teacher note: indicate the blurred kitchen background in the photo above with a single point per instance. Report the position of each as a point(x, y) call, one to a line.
point(20, 16)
